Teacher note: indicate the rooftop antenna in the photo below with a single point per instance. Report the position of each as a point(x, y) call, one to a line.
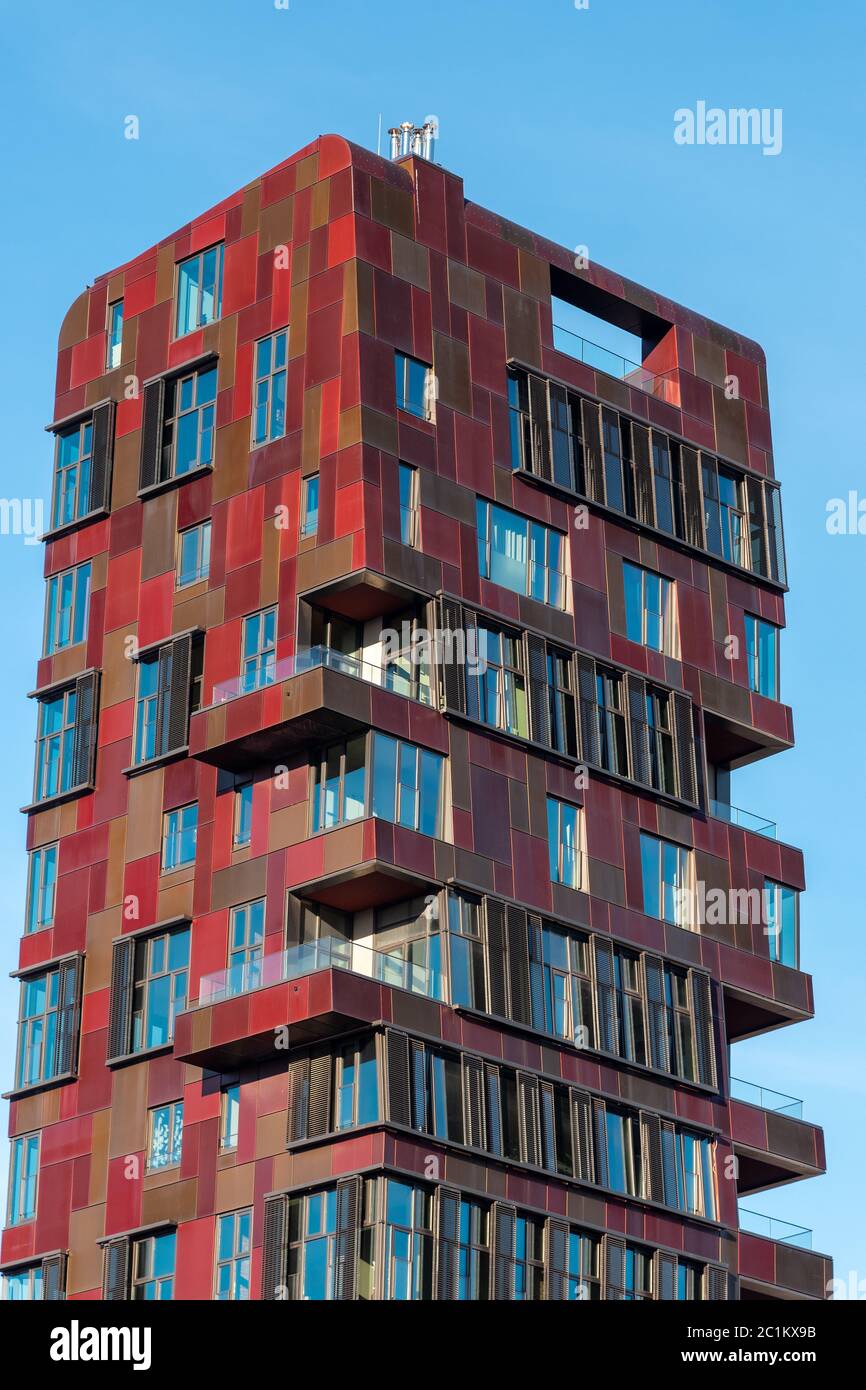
point(379, 136)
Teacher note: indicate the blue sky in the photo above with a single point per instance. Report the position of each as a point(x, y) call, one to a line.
point(561, 119)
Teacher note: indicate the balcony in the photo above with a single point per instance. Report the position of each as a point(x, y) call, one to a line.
point(760, 995)
point(773, 1143)
point(746, 820)
point(776, 1260)
point(664, 386)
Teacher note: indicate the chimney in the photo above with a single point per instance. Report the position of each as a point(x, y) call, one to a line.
point(409, 139)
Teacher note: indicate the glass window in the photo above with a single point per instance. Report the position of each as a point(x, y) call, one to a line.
point(650, 610)
point(67, 605)
point(408, 504)
point(230, 1114)
point(500, 697)
point(199, 290)
point(310, 506)
point(243, 831)
point(666, 480)
point(629, 998)
point(41, 881)
point(414, 383)
point(661, 740)
point(55, 745)
point(723, 512)
point(638, 1275)
point(466, 947)
point(339, 784)
point(23, 1173)
point(193, 555)
point(151, 703)
point(312, 1246)
point(560, 699)
point(42, 1015)
point(153, 1260)
point(161, 983)
point(166, 1136)
point(189, 423)
point(408, 1243)
point(115, 335)
point(667, 878)
point(583, 1280)
point(612, 446)
point(688, 1282)
point(24, 1285)
point(259, 649)
point(782, 913)
point(246, 946)
point(269, 388)
point(623, 1153)
point(473, 1252)
point(72, 463)
point(565, 986)
point(695, 1183)
point(564, 830)
point(180, 832)
point(528, 1259)
point(610, 712)
point(762, 656)
point(407, 785)
point(520, 424)
point(521, 555)
point(356, 1090)
point(678, 1025)
point(234, 1251)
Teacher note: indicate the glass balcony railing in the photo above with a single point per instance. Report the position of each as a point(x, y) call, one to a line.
point(401, 677)
point(329, 953)
point(662, 385)
point(746, 820)
point(782, 1231)
point(776, 1101)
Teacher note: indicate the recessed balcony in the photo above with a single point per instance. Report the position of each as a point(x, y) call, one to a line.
point(665, 386)
point(773, 1143)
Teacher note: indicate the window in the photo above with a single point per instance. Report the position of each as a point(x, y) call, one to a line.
point(437, 1093)
point(193, 555)
point(246, 946)
point(160, 986)
point(339, 782)
point(566, 986)
point(650, 609)
point(150, 703)
point(623, 1153)
point(115, 335)
point(48, 1024)
point(165, 1136)
point(473, 1252)
point(66, 609)
point(564, 836)
point(629, 1003)
point(466, 947)
point(23, 1173)
point(153, 1267)
point(660, 740)
point(528, 1259)
point(762, 656)
point(55, 744)
point(269, 395)
point(561, 702)
point(407, 785)
point(408, 1243)
point(583, 1276)
point(414, 382)
point(638, 1275)
point(169, 689)
point(666, 480)
point(72, 467)
point(612, 447)
point(199, 290)
point(695, 1186)
point(679, 1028)
point(259, 649)
point(243, 831)
point(409, 947)
point(230, 1116)
point(41, 881)
point(356, 1087)
point(689, 1282)
point(667, 879)
point(501, 693)
point(723, 512)
point(520, 554)
point(782, 911)
point(188, 423)
point(408, 504)
point(610, 712)
point(180, 832)
point(234, 1250)
point(25, 1285)
point(310, 506)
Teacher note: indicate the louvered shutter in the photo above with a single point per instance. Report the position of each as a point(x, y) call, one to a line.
point(605, 996)
point(66, 1034)
point(664, 1276)
point(319, 1121)
point(275, 1248)
point(581, 1136)
point(547, 1116)
point(503, 1223)
point(115, 1270)
point(702, 1013)
point(775, 533)
point(643, 477)
point(447, 1244)
point(656, 1011)
point(556, 1259)
point(535, 942)
point(693, 520)
point(613, 1255)
point(84, 734)
point(587, 708)
point(757, 525)
point(120, 1006)
point(473, 674)
point(599, 1127)
point(540, 424)
point(518, 964)
point(593, 463)
point(178, 704)
point(684, 734)
point(493, 1117)
point(299, 1099)
point(639, 734)
point(397, 1051)
point(474, 1126)
point(418, 1083)
point(715, 1284)
point(151, 434)
point(165, 661)
point(651, 1157)
point(668, 1141)
point(528, 1119)
point(346, 1255)
point(101, 452)
point(494, 914)
point(54, 1278)
point(539, 704)
point(452, 670)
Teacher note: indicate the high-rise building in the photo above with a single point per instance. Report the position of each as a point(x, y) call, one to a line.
point(390, 927)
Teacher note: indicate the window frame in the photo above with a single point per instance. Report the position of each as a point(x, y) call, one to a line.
point(145, 977)
point(36, 859)
point(199, 258)
point(174, 412)
point(202, 530)
point(66, 744)
point(756, 630)
point(171, 863)
point(310, 497)
point(267, 380)
point(175, 1136)
point(402, 393)
point(409, 517)
point(80, 576)
point(239, 1256)
point(82, 467)
point(264, 657)
point(113, 345)
point(28, 1143)
point(555, 806)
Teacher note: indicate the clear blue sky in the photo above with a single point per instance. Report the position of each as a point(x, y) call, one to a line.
point(561, 119)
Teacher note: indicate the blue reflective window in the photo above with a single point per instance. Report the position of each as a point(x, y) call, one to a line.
point(199, 290)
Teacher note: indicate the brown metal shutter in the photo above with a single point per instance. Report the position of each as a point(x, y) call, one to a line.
point(503, 1219)
point(151, 434)
point(587, 709)
point(178, 703)
point(547, 1120)
point(668, 1137)
point(599, 1126)
point(715, 1284)
point(84, 735)
point(613, 1267)
point(471, 665)
point(397, 1064)
point(528, 1119)
point(651, 1157)
point(320, 1095)
point(275, 1248)
point(539, 416)
point(775, 533)
point(447, 1244)
point(684, 734)
point(581, 1136)
point(536, 674)
point(418, 1083)
point(643, 476)
point(593, 464)
point(664, 1276)
point(639, 735)
point(702, 1013)
point(693, 519)
point(605, 996)
point(452, 670)
point(69, 1003)
point(101, 451)
point(474, 1126)
point(116, 1270)
point(299, 1099)
point(494, 916)
point(656, 1011)
point(120, 1006)
point(556, 1259)
point(535, 942)
point(518, 964)
point(348, 1224)
point(54, 1278)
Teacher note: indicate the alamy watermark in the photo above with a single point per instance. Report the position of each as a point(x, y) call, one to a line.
point(713, 125)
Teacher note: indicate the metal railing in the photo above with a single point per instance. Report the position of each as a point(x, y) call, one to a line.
point(663, 385)
point(391, 677)
point(766, 1099)
point(746, 820)
point(782, 1231)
